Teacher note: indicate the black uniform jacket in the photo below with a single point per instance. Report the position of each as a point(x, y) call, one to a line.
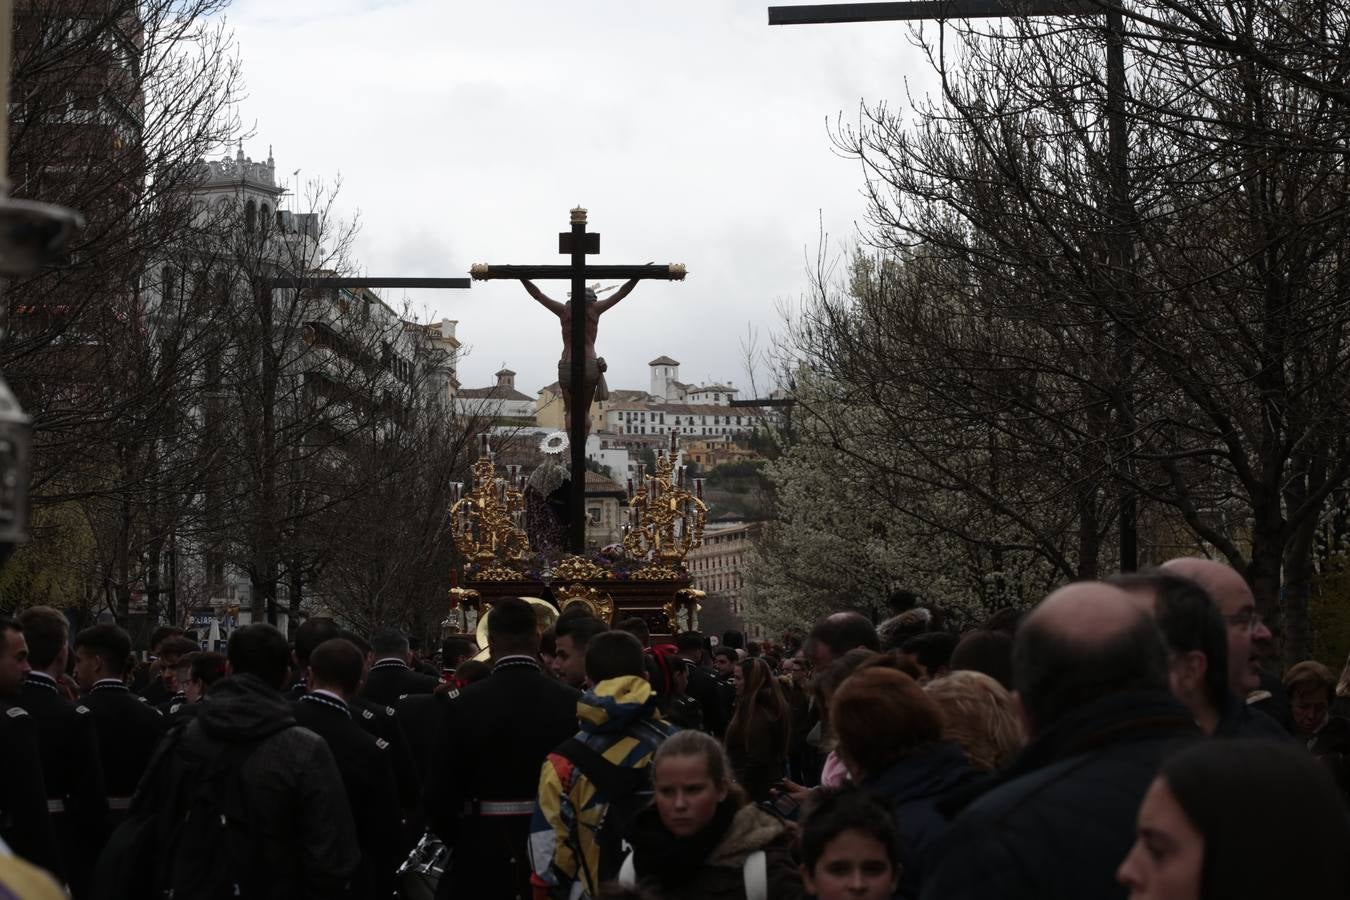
point(496, 736)
point(391, 679)
point(128, 730)
point(422, 717)
point(382, 722)
point(73, 774)
point(24, 823)
point(368, 775)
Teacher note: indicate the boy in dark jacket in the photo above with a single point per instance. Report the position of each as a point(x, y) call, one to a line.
point(298, 818)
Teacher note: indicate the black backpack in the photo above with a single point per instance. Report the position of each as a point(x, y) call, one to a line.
point(625, 790)
point(197, 842)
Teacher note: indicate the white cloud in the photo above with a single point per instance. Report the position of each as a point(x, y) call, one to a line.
point(463, 132)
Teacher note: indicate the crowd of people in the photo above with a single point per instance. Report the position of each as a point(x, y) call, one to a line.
point(1128, 737)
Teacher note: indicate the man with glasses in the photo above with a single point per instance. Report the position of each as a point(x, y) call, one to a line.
point(1248, 640)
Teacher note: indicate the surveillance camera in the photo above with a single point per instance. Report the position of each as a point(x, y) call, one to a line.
point(33, 234)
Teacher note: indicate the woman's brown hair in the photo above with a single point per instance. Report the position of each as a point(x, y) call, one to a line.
point(881, 716)
point(760, 697)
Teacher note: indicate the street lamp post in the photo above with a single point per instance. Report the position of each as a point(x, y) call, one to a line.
point(31, 235)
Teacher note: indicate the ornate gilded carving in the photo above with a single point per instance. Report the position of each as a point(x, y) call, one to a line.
point(498, 572)
point(579, 568)
point(486, 523)
point(665, 520)
point(599, 604)
point(460, 597)
point(658, 573)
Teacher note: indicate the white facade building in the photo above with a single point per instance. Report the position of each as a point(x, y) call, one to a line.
point(499, 404)
point(344, 353)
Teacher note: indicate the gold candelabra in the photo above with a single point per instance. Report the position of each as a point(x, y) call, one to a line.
point(488, 522)
point(665, 519)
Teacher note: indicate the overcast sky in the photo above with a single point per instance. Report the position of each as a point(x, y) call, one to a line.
point(464, 131)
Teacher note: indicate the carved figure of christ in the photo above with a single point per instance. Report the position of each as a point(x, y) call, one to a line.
point(593, 383)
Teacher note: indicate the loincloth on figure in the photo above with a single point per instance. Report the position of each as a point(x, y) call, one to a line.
point(595, 375)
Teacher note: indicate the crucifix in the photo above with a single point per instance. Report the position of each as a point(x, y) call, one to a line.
point(580, 371)
point(1122, 245)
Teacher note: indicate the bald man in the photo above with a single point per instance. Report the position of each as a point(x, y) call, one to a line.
point(1248, 637)
point(1091, 672)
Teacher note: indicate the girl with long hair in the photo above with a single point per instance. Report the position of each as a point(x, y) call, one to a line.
point(761, 725)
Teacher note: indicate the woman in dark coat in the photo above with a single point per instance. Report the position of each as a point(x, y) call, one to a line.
point(757, 738)
point(890, 740)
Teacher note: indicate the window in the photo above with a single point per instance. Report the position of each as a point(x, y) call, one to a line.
point(250, 216)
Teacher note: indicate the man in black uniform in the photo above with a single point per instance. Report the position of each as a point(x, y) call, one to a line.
point(390, 678)
point(702, 682)
point(484, 776)
point(24, 822)
point(149, 680)
point(127, 726)
point(455, 650)
point(376, 719)
point(71, 769)
point(171, 655)
point(334, 676)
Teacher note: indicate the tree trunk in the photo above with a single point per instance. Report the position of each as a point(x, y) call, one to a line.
point(297, 579)
point(1264, 567)
point(153, 559)
point(1298, 590)
point(1089, 534)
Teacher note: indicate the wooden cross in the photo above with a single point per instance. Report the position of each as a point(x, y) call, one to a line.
point(578, 243)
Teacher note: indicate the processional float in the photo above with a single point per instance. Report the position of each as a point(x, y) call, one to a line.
point(643, 577)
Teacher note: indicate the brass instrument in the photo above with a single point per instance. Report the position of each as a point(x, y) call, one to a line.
point(545, 617)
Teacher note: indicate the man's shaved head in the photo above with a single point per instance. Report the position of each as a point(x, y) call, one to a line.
point(1224, 584)
point(1233, 596)
point(1086, 611)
